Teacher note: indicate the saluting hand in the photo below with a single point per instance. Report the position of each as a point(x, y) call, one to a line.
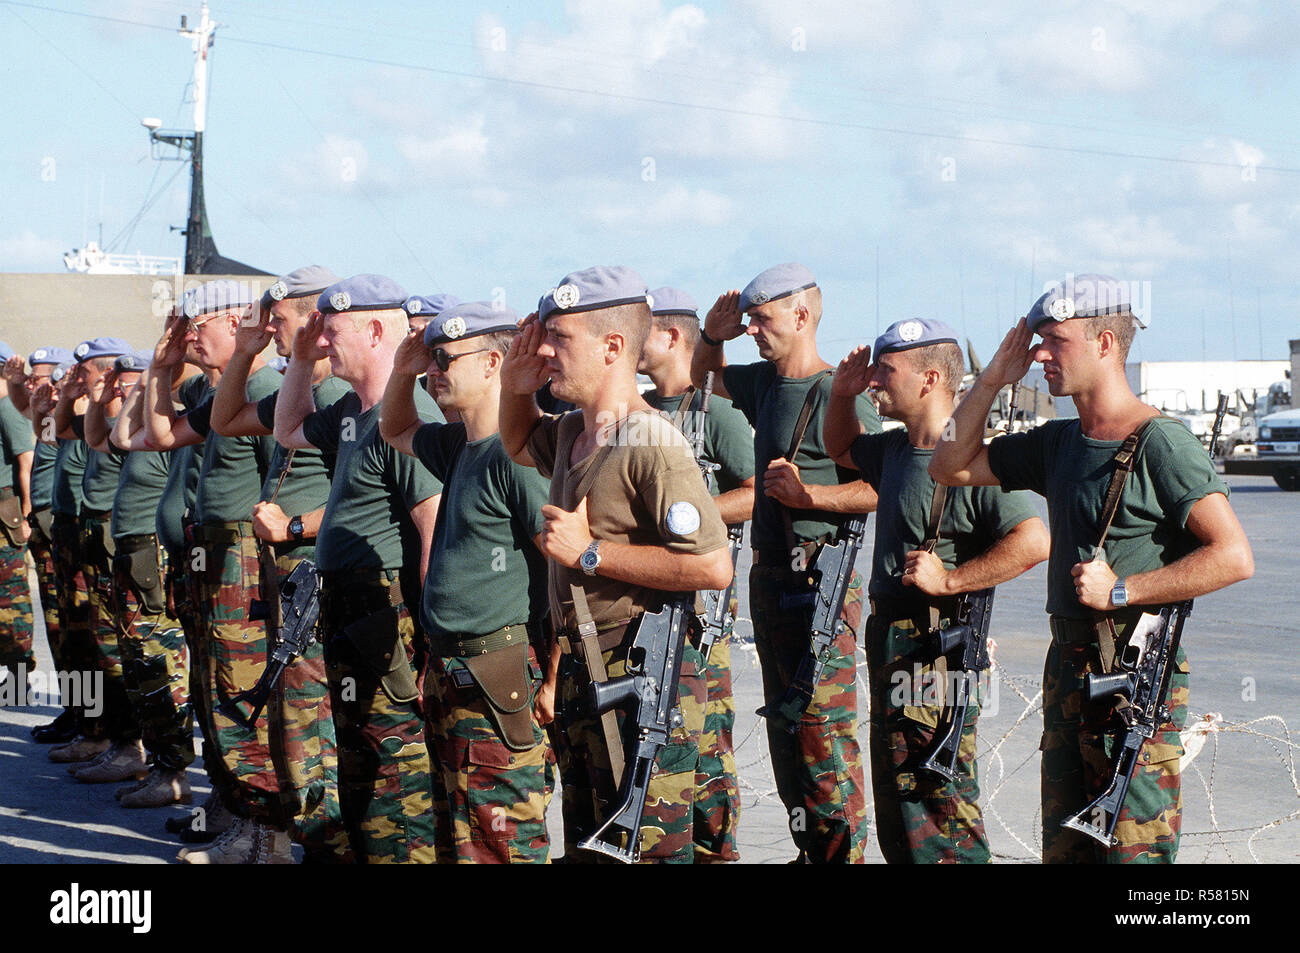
point(523, 371)
point(781, 482)
point(306, 340)
point(252, 334)
point(43, 399)
point(1093, 582)
point(565, 535)
point(14, 370)
point(412, 357)
point(1014, 356)
point(724, 320)
point(170, 349)
point(854, 373)
point(925, 571)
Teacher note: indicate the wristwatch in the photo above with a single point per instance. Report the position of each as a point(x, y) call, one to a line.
point(590, 558)
point(295, 527)
point(1119, 594)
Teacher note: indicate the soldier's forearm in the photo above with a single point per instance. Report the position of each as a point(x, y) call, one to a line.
point(1015, 553)
point(231, 394)
point(295, 404)
point(736, 506)
point(518, 416)
point(658, 568)
point(854, 497)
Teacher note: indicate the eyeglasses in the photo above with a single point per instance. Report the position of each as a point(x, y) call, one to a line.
point(443, 360)
point(197, 323)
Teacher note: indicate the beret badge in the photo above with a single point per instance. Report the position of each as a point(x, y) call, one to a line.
point(340, 301)
point(566, 296)
point(278, 290)
point(1062, 309)
point(910, 331)
point(454, 328)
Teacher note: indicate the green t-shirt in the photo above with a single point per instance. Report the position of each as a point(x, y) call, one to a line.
point(182, 473)
point(483, 557)
point(103, 468)
point(728, 439)
point(367, 524)
point(974, 517)
point(231, 474)
point(771, 404)
point(307, 485)
point(1172, 471)
point(16, 438)
point(139, 493)
point(69, 465)
point(43, 475)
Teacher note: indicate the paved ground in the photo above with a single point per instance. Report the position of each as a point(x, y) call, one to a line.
point(1242, 802)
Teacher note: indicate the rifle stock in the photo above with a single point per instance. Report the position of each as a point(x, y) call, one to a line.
point(970, 633)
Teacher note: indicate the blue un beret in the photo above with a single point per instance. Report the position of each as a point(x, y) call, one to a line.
point(468, 320)
point(133, 361)
point(309, 280)
point(779, 281)
point(429, 306)
point(6, 351)
point(604, 286)
point(667, 300)
point(361, 293)
point(50, 355)
point(100, 347)
point(225, 294)
point(1079, 296)
point(914, 332)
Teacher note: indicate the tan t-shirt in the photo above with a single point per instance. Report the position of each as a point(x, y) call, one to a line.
point(645, 490)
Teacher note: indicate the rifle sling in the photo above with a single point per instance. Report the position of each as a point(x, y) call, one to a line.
point(937, 502)
point(796, 439)
point(1125, 458)
point(587, 632)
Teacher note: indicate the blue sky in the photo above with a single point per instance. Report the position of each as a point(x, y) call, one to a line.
point(964, 155)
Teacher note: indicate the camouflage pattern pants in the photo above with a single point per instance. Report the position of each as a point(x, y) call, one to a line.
point(920, 817)
point(43, 555)
point(496, 797)
point(1078, 745)
point(818, 768)
point(304, 748)
point(155, 668)
point(183, 598)
point(386, 781)
point(119, 723)
point(586, 776)
point(717, 791)
point(15, 609)
point(235, 659)
point(77, 643)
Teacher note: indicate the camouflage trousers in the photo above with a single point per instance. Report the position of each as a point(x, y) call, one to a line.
point(818, 768)
point(155, 664)
point(717, 790)
point(15, 609)
point(43, 556)
point(386, 782)
point(183, 598)
point(77, 643)
point(586, 775)
point(496, 797)
point(1078, 747)
point(304, 748)
point(920, 817)
point(235, 658)
point(118, 721)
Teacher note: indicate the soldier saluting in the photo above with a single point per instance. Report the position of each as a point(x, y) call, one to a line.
point(484, 601)
point(629, 522)
point(1171, 536)
point(801, 499)
point(931, 545)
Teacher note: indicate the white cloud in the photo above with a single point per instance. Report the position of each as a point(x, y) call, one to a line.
point(452, 148)
point(334, 164)
point(29, 251)
point(674, 206)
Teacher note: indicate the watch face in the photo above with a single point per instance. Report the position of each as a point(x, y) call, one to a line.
point(588, 560)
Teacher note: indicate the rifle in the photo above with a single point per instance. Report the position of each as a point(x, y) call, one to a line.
point(1141, 680)
point(717, 602)
point(1139, 685)
point(1218, 424)
point(829, 579)
point(970, 634)
point(648, 697)
point(299, 611)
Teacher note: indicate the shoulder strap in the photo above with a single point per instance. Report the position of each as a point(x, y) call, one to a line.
point(1125, 459)
point(682, 413)
point(937, 502)
point(796, 439)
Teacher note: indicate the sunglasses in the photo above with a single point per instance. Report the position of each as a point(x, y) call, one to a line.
point(443, 360)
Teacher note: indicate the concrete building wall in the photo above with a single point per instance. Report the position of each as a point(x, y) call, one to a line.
point(66, 309)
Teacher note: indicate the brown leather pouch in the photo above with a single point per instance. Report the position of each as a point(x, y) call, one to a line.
point(506, 683)
point(11, 518)
point(378, 641)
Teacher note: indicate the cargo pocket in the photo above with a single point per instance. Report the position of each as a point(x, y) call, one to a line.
point(377, 640)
